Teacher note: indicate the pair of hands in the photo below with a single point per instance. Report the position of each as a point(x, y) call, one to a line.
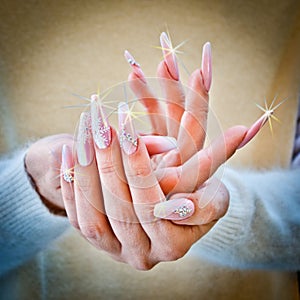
point(118, 196)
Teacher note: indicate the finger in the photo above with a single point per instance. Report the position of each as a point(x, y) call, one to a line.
point(194, 120)
point(141, 89)
point(91, 216)
point(117, 198)
point(144, 188)
point(207, 204)
point(193, 124)
point(159, 144)
point(171, 86)
point(67, 189)
point(202, 165)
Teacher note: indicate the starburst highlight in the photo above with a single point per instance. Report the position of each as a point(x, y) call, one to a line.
point(269, 112)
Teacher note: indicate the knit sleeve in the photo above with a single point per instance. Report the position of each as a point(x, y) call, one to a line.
point(26, 226)
point(262, 226)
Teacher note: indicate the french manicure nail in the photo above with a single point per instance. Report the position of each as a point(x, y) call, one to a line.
point(127, 135)
point(169, 56)
point(84, 146)
point(175, 209)
point(67, 164)
point(206, 66)
point(100, 125)
point(135, 66)
point(253, 130)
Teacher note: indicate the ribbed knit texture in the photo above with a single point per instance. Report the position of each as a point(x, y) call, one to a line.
point(261, 227)
point(26, 225)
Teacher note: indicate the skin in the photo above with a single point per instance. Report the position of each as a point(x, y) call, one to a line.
point(111, 201)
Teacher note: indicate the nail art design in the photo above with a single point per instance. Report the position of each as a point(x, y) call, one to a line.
point(100, 126)
point(206, 66)
point(127, 135)
point(67, 164)
point(85, 152)
point(175, 209)
point(135, 66)
point(169, 56)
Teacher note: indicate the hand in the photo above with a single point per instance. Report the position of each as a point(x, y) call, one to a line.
point(116, 215)
point(185, 116)
point(112, 196)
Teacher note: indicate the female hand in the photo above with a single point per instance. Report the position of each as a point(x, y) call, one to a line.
point(112, 197)
point(177, 115)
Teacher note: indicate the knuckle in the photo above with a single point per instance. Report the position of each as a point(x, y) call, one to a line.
point(107, 167)
point(143, 264)
point(90, 231)
point(139, 170)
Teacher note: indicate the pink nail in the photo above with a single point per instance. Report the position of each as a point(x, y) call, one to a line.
point(67, 167)
point(135, 66)
point(100, 126)
point(175, 209)
point(169, 56)
point(253, 130)
point(128, 136)
point(206, 66)
point(84, 146)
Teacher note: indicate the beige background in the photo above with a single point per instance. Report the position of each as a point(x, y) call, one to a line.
point(51, 49)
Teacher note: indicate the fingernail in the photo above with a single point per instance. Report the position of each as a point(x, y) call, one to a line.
point(135, 66)
point(169, 56)
point(100, 125)
point(128, 136)
point(253, 130)
point(206, 66)
point(175, 209)
point(67, 167)
point(84, 146)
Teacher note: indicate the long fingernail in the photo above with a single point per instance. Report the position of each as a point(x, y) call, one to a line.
point(206, 66)
point(67, 167)
point(128, 136)
point(253, 130)
point(135, 66)
point(175, 209)
point(100, 126)
point(169, 56)
point(84, 146)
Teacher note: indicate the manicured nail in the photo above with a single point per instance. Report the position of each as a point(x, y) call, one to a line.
point(175, 209)
point(84, 147)
point(135, 66)
point(128, 136)
point(169, 56)
point(100, 126)
point(254, 129)
point(206, 66)
point(67, 167)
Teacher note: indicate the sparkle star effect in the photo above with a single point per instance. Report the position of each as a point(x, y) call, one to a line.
point(135, 114)
point(174, 50)
point(269, 112)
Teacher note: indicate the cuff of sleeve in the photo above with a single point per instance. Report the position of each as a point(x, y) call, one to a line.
point(21, 210)
point(219, 243)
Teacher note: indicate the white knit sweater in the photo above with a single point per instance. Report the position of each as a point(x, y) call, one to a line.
point(26, 226)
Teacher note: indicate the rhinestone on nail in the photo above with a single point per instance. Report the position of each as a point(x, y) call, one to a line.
point(133, 62)
point(68, 176)
point(182, 211)
point(124, 136)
